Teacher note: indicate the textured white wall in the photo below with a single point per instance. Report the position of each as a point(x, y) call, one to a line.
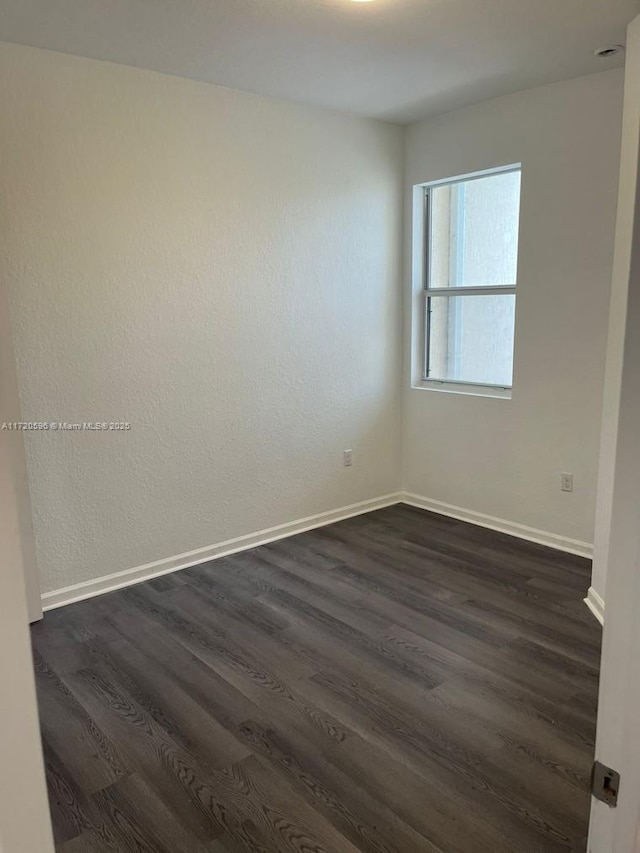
point(222, 271)
point(504, 457)
point(218, 269)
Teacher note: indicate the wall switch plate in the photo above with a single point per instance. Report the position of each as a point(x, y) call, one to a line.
point(566, 482)
point(348, 458)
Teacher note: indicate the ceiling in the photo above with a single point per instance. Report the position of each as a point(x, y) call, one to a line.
point(399, 60)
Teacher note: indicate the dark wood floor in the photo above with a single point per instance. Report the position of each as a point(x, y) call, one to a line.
point(396, 683)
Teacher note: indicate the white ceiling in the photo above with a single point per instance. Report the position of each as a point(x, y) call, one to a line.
point(395, 59)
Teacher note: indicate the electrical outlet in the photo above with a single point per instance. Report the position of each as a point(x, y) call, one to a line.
point(566, 482)
point(348, 458)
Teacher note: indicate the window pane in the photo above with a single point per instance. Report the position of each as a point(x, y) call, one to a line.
point(470, 338)
point(474, 232)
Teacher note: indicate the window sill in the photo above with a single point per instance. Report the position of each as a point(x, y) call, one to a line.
point(460, 388)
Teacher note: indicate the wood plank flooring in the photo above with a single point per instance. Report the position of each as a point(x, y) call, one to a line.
point(399, 682)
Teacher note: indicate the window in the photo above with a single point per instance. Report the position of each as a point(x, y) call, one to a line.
point(470, 277)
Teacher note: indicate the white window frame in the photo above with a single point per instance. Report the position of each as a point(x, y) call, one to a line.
point(422, 227)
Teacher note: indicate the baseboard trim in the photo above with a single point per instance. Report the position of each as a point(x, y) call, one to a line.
point(595, 603)
point(512, 528)
point(148, 571)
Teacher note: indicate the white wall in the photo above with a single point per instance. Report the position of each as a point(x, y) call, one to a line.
point(617, 554)
point(24, 812)
point(219, 269)
point(502, 457)
point(222, 271)
point(618, 312)
point(14, 440)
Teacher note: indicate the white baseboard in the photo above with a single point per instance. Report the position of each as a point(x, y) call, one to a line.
point(512, 528)
point(128, 577)
point(595, 603)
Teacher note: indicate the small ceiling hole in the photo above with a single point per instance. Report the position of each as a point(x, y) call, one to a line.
point(610, 50)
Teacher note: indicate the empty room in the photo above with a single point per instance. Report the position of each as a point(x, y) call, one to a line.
point(320, 426)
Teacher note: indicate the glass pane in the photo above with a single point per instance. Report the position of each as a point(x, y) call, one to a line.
point(474, 232)
point(470, 338)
